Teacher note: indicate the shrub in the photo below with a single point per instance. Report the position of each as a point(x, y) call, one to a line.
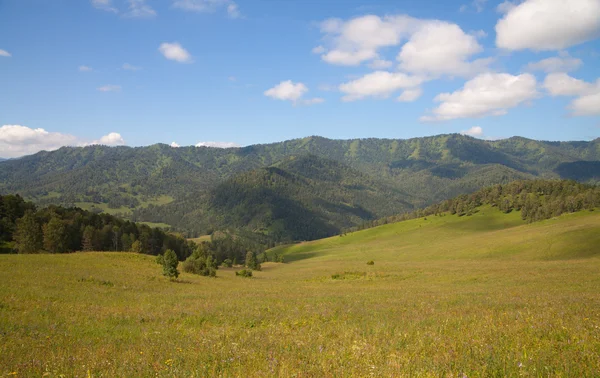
point(371, 262)
point(228, 263)
point(200, 265)
point(244, 273)
point(170, 263)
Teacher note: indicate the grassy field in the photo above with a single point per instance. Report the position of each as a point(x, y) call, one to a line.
point(476, 296)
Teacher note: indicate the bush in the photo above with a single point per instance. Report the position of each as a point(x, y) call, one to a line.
point(371, 262)
point(228, 263)
point(200, 265)
point(244, 273)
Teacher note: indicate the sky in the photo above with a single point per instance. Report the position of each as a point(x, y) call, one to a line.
point(239, 72)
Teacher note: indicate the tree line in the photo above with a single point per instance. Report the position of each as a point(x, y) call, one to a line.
point(536, 200)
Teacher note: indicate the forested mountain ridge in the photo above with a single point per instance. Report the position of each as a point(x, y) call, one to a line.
point(425, 170)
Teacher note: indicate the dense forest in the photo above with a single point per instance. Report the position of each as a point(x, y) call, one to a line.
point(197, 190)
point(54, 229)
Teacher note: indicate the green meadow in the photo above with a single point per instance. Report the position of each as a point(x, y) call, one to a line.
point(486, 295)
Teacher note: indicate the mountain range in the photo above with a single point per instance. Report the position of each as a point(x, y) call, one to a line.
point(293, 190)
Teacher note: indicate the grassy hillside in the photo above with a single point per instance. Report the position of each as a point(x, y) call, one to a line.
point(482, 295)
point(427, 170)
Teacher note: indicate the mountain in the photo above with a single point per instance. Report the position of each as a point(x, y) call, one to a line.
point(181, 186)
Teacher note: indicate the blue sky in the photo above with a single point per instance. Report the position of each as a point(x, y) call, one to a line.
point(138, 72)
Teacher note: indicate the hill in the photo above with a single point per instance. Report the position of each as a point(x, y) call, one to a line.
point(128, 181)
point(481, 295)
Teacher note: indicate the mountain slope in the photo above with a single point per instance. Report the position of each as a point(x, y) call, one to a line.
point(426, 170)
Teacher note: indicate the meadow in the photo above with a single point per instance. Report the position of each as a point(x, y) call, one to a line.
point(486, 295)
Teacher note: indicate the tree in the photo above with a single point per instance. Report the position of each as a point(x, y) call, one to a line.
point(28, 234)
point(170, 263)
point(251, 261)
point(126, 242)
point(136, 246)
point(55, 236)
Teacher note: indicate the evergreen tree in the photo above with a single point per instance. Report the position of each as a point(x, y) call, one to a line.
point(88, 238)
point(170, 263)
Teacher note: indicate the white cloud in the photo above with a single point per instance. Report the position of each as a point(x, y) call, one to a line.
point(561, 84)
point(139, 9)
point(209, 6)
point(174, 51)
point(380, 84)
point(477, 5)
point(5, 53)
point(105, 5)
point(110, 88)
point(440, 48)
point(85, 69)
point(380, 64)
point(479, 34)
point(588, 94)
point(359, 39)
point(562, 63)
point(433, 47)
point(129, 67)
point(217, 144)
point(111, 139)
point(587, 105)
point(485, 95)
point(318, 50)
point(475, 131)
point(290, 91)
point(548, 24)
point(17, 140)
point(174, 145)
point(410, 95)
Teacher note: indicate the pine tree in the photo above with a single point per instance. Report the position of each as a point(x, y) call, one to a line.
point(170, 263)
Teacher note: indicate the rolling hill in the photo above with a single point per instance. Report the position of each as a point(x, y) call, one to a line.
point(166, 185)
point(482, 295)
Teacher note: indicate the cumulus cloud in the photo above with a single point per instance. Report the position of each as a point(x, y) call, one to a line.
point(379, 84)
point(359, 39)
point(174, 51)
point(174, 145)
point(562, 63)
point(547, 24)
point(410, 95)
point(110, 88)
point(218, 144)
point(111, 139)
point(477, 5)
point(209, 6)
point(5, 53)
point(475, 131)
point(430, 47)
point(85, 69)
point(290, 91)
point(588, 94)
point(439, 48)
point(17, 140)
point(318, 50)
point(129, 67)
point(487, 94)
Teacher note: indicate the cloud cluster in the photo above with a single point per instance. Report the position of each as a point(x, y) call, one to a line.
point(5, 53)
point(587, 101)
point(174, 51)
point(488, 94)
point(209, 6)
point(290, 91)
point(547, 24)
point(475, 131)
point(17, 140)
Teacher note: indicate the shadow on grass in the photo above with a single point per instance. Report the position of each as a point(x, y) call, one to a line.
point(289, 258)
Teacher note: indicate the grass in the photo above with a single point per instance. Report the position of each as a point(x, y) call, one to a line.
point(480, 296)
point(201, 239)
